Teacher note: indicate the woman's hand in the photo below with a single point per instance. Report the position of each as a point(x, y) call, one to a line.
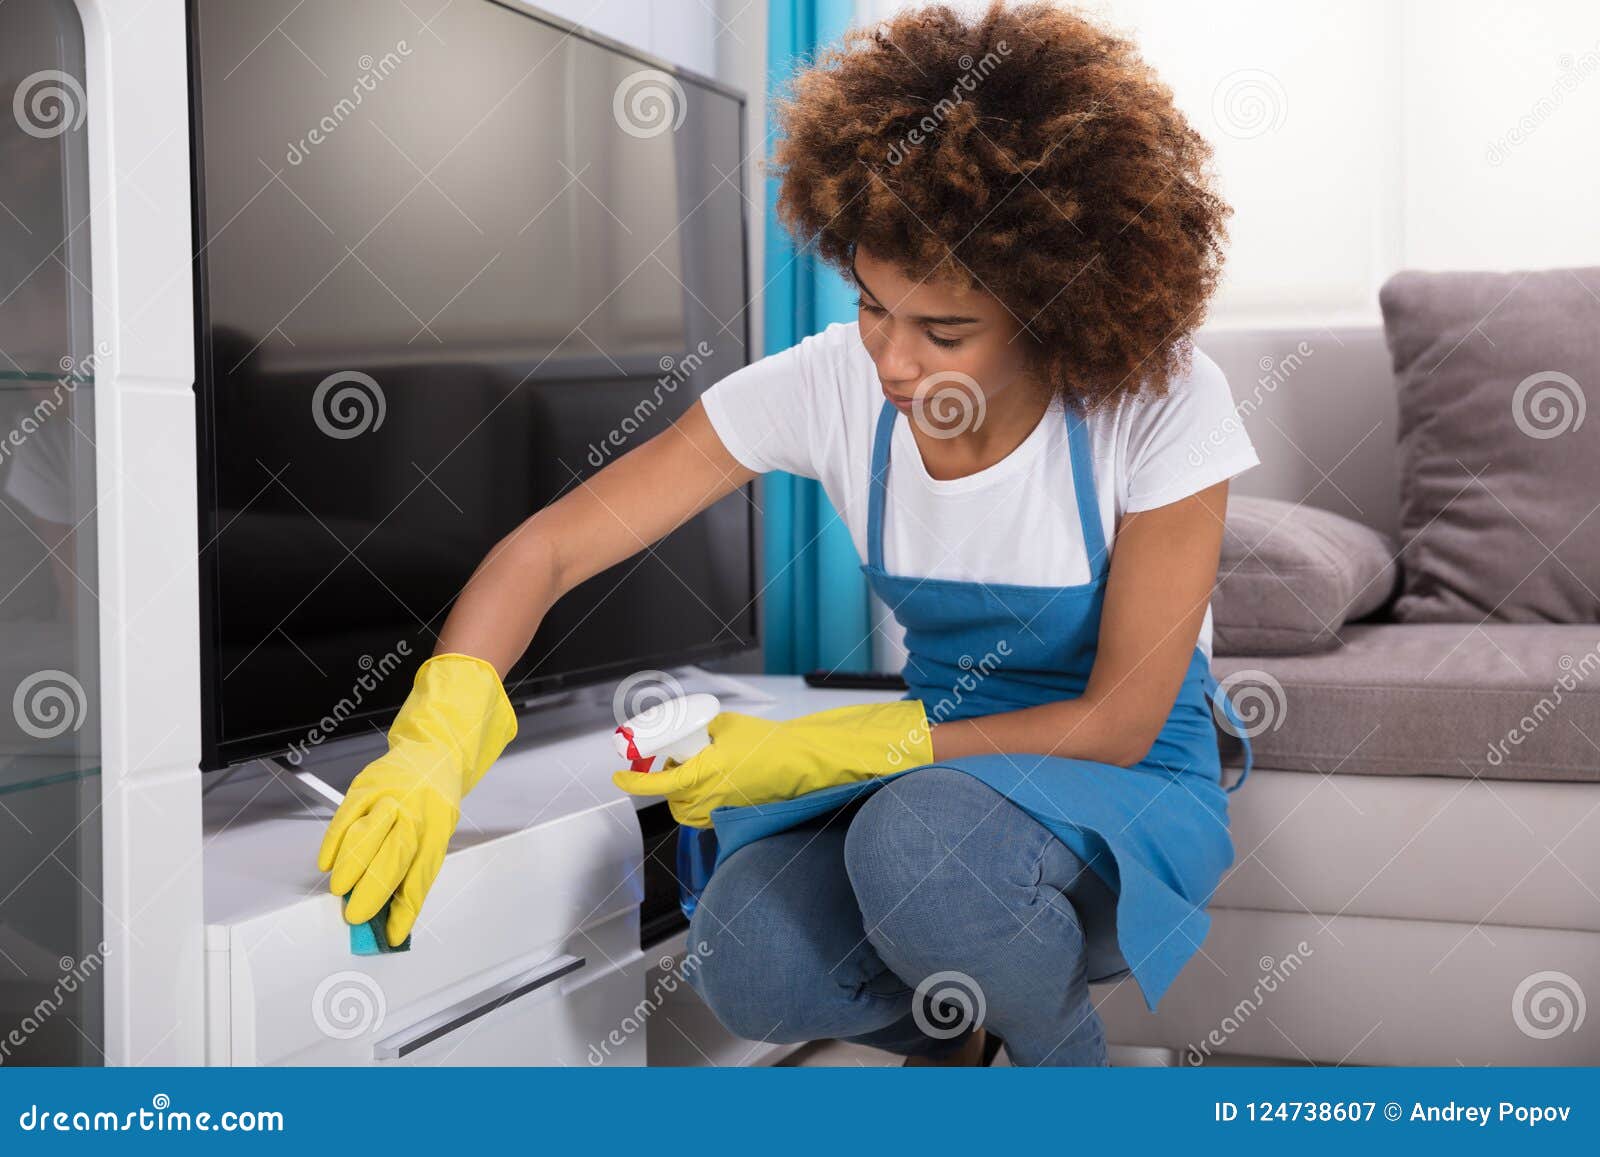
point(389, 836)
point(754, 761)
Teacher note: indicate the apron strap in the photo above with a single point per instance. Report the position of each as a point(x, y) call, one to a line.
point(876, 495)
point(1083, 488)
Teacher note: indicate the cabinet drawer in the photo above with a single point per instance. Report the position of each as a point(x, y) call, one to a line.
point(551, 1025)
point(498, 913)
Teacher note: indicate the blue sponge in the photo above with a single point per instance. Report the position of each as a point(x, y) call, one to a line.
point(369, 939)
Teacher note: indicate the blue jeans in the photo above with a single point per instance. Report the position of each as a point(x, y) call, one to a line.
point(903, 921)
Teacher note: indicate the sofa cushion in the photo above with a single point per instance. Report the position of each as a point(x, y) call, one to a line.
point(1291, 575)
point(1500, 471)
point(1496, 701)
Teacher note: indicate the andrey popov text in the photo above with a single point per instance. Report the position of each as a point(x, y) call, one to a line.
point(1453, 1113)
point(1448, 1113)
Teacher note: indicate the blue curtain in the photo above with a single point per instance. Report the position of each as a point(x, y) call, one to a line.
point(817, 602)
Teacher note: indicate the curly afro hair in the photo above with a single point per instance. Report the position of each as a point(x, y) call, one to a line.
point(1028, 152)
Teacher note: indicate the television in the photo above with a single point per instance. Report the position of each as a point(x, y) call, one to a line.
point(446, 269)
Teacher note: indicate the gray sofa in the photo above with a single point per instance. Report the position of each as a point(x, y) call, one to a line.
point(1417, 872)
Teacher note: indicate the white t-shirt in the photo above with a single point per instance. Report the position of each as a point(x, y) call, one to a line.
point(812, 410)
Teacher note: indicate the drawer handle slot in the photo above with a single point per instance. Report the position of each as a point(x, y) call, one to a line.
point(466, 1011)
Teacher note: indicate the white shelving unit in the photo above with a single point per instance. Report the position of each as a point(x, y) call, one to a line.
point(527, 951)
point(221, 944)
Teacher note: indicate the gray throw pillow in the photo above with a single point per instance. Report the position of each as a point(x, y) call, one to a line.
point(1500, 468)
point(1291, 575)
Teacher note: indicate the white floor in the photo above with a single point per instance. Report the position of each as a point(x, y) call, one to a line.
point(833, 1053)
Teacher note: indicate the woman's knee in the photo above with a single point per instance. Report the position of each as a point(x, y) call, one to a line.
point(733, 973)
point(738, 986)
point(908, 852)
point(774, 970)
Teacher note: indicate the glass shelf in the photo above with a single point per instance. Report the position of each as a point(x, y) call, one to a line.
point(49, 779)
point(50, 821)
point(42, 377)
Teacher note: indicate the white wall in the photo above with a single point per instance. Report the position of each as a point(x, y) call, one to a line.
point(1503, 112)
point(682, 31)
point(1358, 137)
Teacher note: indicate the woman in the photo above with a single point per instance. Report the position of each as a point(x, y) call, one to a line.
point(1030, 226)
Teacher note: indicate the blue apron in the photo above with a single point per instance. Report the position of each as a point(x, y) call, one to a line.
point(1156, 833)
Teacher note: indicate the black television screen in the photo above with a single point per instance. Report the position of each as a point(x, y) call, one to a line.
point(446, 271)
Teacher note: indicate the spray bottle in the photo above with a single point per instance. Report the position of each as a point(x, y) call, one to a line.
point(664, 735)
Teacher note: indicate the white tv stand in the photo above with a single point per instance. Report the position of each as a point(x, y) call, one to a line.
point(528, 949)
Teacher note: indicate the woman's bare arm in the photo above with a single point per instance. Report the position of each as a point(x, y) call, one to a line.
point(630, 504)
point(1162, 572)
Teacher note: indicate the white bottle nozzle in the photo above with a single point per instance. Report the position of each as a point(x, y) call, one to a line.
point(670, 731)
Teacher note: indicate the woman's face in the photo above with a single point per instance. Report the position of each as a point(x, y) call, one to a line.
point(943, 353)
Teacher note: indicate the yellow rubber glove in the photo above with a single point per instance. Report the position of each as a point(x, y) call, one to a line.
point(755, 761)
point(389, 836)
